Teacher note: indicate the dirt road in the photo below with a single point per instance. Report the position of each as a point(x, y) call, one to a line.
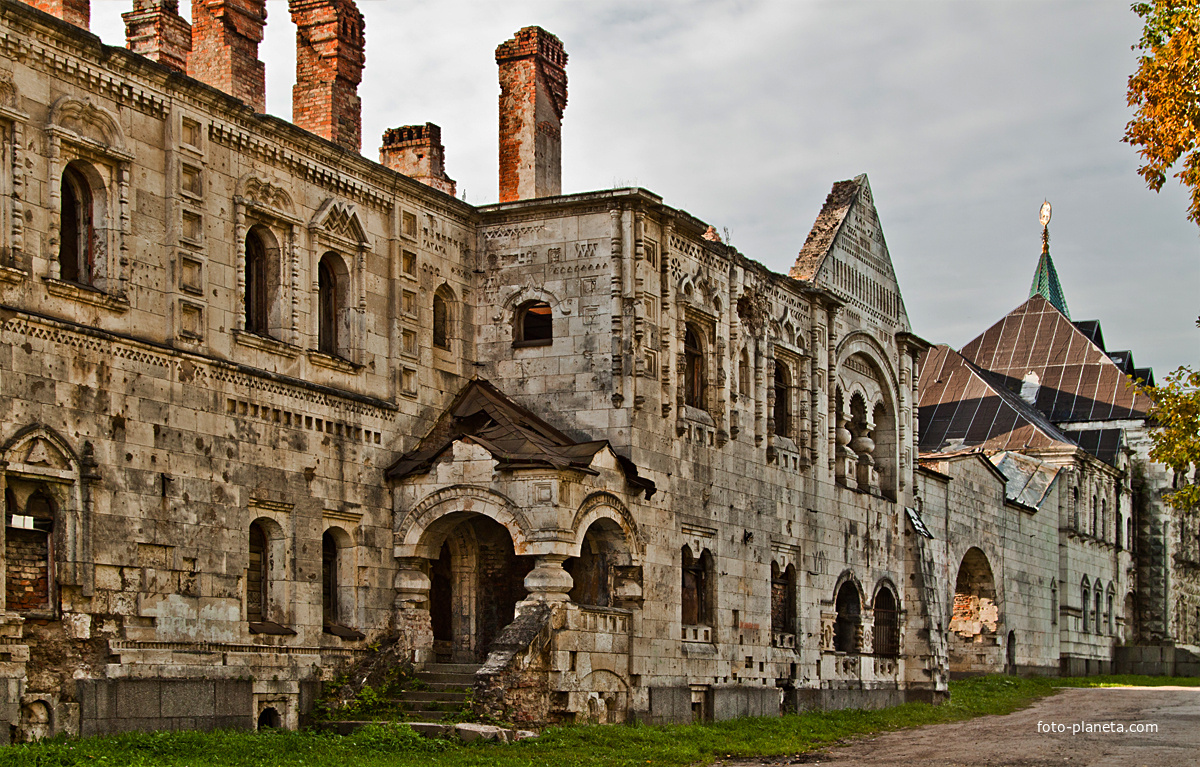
point(1017, 740)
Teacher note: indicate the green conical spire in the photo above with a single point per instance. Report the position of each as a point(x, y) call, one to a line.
point(1045, 279)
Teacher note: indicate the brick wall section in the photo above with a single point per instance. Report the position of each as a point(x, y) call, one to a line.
point(533, 95)
point(417, 152)
point(77, 12)
point(225, 38)
point(155, 29)
point(27, 570)
point(329, 65)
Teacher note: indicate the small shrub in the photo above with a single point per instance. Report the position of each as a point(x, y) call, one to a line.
point(394, 736)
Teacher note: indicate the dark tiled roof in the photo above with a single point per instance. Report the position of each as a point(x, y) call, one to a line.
point(515, 437)
point(1102, 443)
point(962, 406)
point(1077, 380)
point(825, 228)
point(1091, 329)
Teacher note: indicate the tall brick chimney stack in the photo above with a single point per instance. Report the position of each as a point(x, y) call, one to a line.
point(225, 38)
point(155, 29)
point(533, 94)
point(417, 152)
point(329, 65)
point(77, 12)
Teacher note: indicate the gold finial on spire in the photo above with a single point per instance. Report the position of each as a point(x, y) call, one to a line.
point(1045, 219)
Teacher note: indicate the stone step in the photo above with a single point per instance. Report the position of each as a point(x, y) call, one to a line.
point(447, 686)
point(426, 716)
point(452, 668)
point(414, 696)
point(459, 680)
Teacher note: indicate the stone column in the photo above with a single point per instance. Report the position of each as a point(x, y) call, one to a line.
point(548, 581)
point(413, 623)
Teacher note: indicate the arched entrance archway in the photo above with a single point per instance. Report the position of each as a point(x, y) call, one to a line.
point(475, 584)
point(975, 621)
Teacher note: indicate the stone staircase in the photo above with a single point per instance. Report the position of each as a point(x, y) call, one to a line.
point(447, 685)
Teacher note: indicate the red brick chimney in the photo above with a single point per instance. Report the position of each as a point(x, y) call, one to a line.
point(155, 29)
point(533, 94)
point(417, 152)
point(225, 38)
point(329, 65)
point(77, 12)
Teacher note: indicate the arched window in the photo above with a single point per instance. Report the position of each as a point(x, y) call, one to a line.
point(887, 624)
point(534, 325)
point(30, 578)
point(329, 579)
point(327, 307)
point(697, 599)
point(1129, 540)
point(848, 626)
point(258, 582)
point(1075, 509)
point(333, 325)
point(1094, 516)
point(1102, 534)
point(79, 256)
point(1120, 529)
point(1108, 614)
point(693, 369)
point(783, 604)
point(1087, 598)
point(441, 319)
point(783, 396)
point(1097, 612)
point(257, 280)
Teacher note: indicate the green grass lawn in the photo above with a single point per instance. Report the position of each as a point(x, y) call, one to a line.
point(578, 745)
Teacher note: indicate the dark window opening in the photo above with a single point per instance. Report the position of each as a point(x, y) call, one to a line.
point(257, 582)
point(887, 624)
point(327, 308)
point(256, 284)
point(697, 608)
point(783, 409)
point(693, 370)
point(329, 579)
point(77, 230)
point(783, 599)
point(847, 629)
point(441, 323)
point(535, 324)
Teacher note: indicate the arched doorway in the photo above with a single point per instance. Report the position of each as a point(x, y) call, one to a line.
point(475, 584)
point(1011, 653)
point(847, 629)
point(594, 571)
point(974, 622)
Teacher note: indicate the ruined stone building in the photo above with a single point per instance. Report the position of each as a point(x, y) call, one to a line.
point(1075, 568)
point(265, 403)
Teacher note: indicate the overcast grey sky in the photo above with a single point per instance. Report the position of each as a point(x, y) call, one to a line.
point(964, 115)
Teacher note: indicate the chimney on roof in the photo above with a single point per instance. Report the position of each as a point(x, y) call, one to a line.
point(225, 38)
point(155, 29)
point(533, 95)
point(329, 65)
point(77, 12)
point(417, 152)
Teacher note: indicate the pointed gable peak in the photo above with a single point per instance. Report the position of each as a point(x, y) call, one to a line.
point(820, 238)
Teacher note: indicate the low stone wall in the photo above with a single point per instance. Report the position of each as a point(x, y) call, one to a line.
point(109, 706)
point(1155, 660)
